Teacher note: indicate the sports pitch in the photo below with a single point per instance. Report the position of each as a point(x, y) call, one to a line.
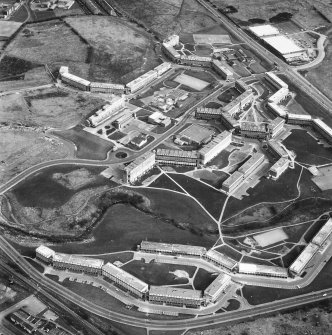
point(195, 83)
point(212, 39)
point(270, 237)
point(8, 28)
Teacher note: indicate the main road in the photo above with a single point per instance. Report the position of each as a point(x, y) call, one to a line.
point(292, 74)
point(175, 324)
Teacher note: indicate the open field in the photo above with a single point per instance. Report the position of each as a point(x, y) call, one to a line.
point(302, 10)
point(191, 82)
point(169, 17)
point(270, 237)
point(121, 51)
point(44, 43)
point(312, 319)
point(50, 107)
point(164, 182)
point(321, 75)
point(23, 148)
point(8, 28)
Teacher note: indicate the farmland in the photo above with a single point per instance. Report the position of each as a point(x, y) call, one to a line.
point(120, 51)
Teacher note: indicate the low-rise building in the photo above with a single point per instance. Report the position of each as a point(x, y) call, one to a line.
point(92, 266)
point(108, 88)
point(232, 182)
point(277, 110)
point(142, 81)
point(239, 102)
point(162, 68)
point(75, 81)
point(177, 157)
point(303, 259)
point(225, 71)
point(45, 254)
point(263, 270)
point(107, 111)
point(206, 113)
point(219, 259)
point(277, 149)
point(218, 144)
point(217, 287)
point(276, 126)
point(123, 119)
point(323, 129)
point(251, 164)
point(175, 296)
point(253, 130)
point(298, 119)
point(195, 60)
point(278, 96)
point(196, 134)
point(159, 119)
point(323, 234)
point(229, 121)
point(273, 79)
point(172, 249)
point(139, 167)
point(125, 280)
point(278, 168)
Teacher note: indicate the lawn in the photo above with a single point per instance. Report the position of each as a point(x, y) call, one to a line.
point(164, 182)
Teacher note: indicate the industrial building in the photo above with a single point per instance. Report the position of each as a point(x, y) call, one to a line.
point(218, 144)
point(125, 280)
point(172, 249)
point(206, 113)
point(217, 287)
point(263, 270)
point(91, 266)
point(177, 157)
point(195, 134)
point(225, 71)
point(303, 259)
point(45, 254)
point(108, 88)
point(251, 164)
point(123, 119)
point(264, 30)
point(159, 119)
point(232, 182)
point(278, 168)
point(139, 167)
point(75, 81)
point(239, 102)
point(106, 111)
point(175, 296)
point(220, 259)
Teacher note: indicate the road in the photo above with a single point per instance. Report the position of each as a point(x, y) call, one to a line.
point(292, 74)
point(110, 160)
point(47, 286)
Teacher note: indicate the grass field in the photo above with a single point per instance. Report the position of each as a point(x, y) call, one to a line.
point(121, 51)
point(50, 107)
point(169, 17)
point(302, 10)
point(44, 45)
point(321, 75)
point(21, 149)
point(164, 182)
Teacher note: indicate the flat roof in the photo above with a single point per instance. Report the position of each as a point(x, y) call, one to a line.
point(264, 30)
point(321, 124)
point(221, 258)
point(75, 78)
point(323, 233)
point(180, 293)
point(277, 121)
point(278, 148)
point(304, 258)
point(163, 65)
point(266, 269)
point(177, 153)
point(196, 133)
point(238, 100)
point(107, 85)
point(283, 44)
point(207, 110)
point(78, 260)
point(144, 76)
point(45, 251)
point(173, 247)
point(216, 141)
point(140, 160)
point(280, 110)
point(254, 159)
point(276, 79)
point(218, 284)
point(279, 163)
point(126, 277)
point(233, 179)
point(198, 58)
point(222, 66)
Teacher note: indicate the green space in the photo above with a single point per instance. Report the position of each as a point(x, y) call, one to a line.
point(307, 148)
point(229, 95)
point(211, 199)
point(254, 260)
point(166, 183)
point(230, 252)
point(233, 305)
point(203, 279)
point(154, 273)
point(88, 146)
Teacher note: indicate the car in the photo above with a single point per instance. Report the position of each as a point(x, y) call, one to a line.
point(325, 294)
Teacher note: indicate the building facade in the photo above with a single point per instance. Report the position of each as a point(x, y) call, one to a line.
point(45, 254)
point(278, 168)
point(263, 270)
point(177, 157)
point(219, 259)
point(217, 287)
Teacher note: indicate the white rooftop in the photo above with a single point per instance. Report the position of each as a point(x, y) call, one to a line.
point(45, 251)
point(283, 44)
point(180, 293)
point(266, 269)
point(78, 260)
point(303, 259)
point(264, 30)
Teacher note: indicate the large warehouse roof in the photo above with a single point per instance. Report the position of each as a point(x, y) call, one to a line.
point(264, 30)
point(283, 44)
